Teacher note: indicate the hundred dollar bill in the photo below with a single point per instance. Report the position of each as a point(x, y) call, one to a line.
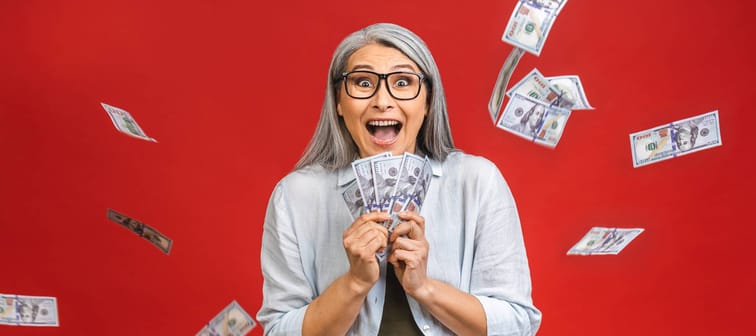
point(231, 321)
point(353, 199)
point(419, 189)
point(363, 171)
point(571, 89)
point(675, 139)
point(409, 173)
point(23, 310)
point(497, 96)
point(385, 177)
point(602, 240)
point(534, 120)
point(535, 85)
point(142, 230)
point(530, 24)
point(124, 123)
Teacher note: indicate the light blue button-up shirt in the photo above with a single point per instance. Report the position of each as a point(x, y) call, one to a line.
point(473, 231)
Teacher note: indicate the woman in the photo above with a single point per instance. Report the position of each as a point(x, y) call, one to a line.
point(458, 267)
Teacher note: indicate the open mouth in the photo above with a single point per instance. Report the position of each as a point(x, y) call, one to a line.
point(384, 132)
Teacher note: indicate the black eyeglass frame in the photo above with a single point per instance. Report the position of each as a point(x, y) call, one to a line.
point(384, 77)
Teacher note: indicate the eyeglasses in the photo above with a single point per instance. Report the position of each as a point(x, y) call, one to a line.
point(401, 85)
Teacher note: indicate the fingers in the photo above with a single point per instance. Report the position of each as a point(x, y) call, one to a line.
point(412, 226)
point(365, 236)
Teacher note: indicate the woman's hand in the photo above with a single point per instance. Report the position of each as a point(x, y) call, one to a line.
point(361, 241)
point(409, 252)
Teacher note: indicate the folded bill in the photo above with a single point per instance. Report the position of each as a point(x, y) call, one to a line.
point(530, 24)
point(125, 123)
point(675, 139)
point(231, 321)
point(24, 310)
point(570, 88)
point(534, 120)
point(145, 231)
point(603, 240)
point(497, 96)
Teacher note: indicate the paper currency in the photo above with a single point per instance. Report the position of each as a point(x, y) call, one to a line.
point(386, 177)
point(231, 321)
point(142, 230)
point(534, 120)
point(530, 24)
point(353, 199)
point(535, 85)
point(603, 240)
point(675, 139)
point(124, 123)
point(497, 96)
point(23, 310)
point(571, 89)
point(409, 174)
point(363, 170)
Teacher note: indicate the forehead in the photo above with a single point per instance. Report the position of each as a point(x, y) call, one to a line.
point(380, 58)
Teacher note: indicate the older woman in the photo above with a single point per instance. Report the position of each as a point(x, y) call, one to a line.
point(457, 267)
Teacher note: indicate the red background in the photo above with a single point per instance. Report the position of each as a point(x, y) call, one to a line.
point(232, 91)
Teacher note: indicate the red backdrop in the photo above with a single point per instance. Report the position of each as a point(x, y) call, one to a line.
point(232, 91)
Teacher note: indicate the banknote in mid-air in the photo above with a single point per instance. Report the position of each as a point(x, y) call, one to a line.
point(124, 123)
point(231, 321)
point(535, 120)
point(142, 230)
point(497, 96)
point(535, 85)
point(530, 24)
point(31, 311)
point(571, 89)
point(675, 139)
point(603, 240)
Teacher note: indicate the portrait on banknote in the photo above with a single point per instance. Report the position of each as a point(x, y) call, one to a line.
point(685, 135)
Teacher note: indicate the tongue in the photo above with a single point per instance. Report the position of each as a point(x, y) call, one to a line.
point(385, 132)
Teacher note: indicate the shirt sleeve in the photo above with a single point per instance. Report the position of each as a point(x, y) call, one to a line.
point(501, 276)
point(286, 290)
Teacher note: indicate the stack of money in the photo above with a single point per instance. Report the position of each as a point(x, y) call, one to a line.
point(124, 123)
point(388, 183)
point(231, 321)
point(531, 22)
point(603, 240)
point(142, 230)
point(675, 139)
point(22, 310)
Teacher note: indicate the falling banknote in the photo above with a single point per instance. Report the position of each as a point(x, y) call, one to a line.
point(231, 321)
point(23, 310)
point(602, 240)
point(534, 120)
point(571, 89)
point(497, 96)
point(142, 230)
point(123, 122)
point(675, 139)
point(531, 22)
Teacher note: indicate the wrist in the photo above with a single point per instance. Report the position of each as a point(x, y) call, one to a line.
point(357, 286)
point(424, 294)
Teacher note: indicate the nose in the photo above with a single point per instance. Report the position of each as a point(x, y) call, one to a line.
point(382, 99)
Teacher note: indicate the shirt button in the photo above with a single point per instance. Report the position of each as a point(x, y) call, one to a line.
point(426, 328)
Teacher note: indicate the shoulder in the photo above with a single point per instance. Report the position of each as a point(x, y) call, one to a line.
point(463, 163)
point(310, 179)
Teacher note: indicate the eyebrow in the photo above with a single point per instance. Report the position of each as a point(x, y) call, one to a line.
point(393, 68)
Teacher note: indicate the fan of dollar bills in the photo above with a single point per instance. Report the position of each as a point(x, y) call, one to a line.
point(388, 183)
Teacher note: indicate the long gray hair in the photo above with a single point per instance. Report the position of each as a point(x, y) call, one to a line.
point(332, 146)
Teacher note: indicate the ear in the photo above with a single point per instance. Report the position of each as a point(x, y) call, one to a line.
point(338, 109)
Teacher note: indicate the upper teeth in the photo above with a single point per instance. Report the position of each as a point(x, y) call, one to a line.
point(383, 122)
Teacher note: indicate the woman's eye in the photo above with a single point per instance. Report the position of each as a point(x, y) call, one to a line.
point(363, 83)
point(402, 82)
